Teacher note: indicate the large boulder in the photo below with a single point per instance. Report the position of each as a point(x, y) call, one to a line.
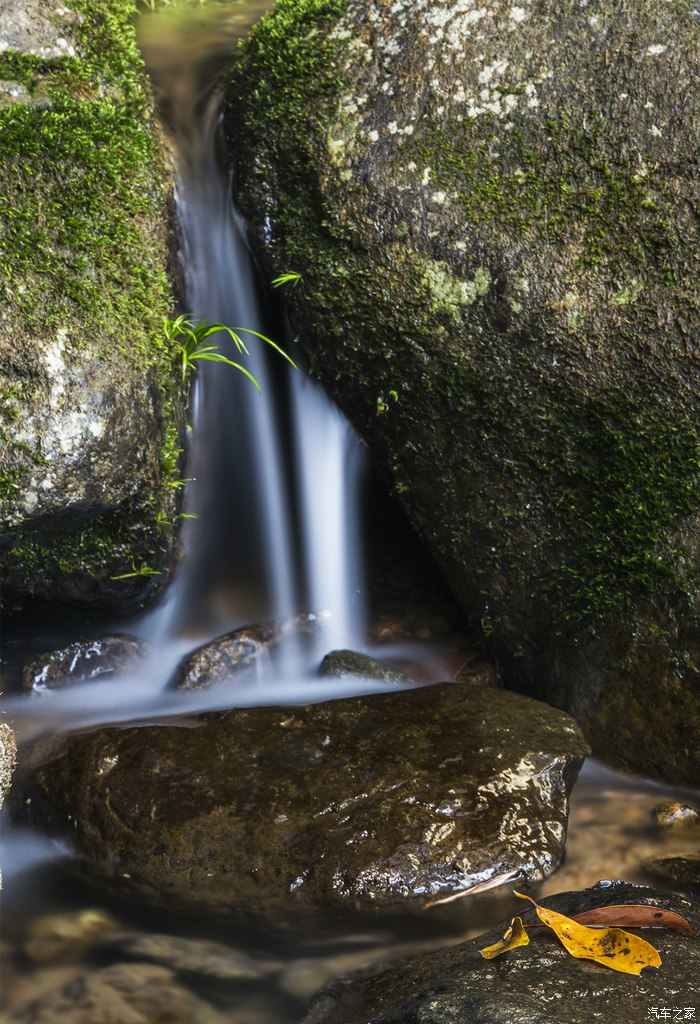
point(375, 800)
point(493, 209)
point(538, 984)
point(89, 409)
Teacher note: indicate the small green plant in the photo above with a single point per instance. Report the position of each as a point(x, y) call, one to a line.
point(191, 340)
point(137, 570)
point(290, 277)
point(383, 406)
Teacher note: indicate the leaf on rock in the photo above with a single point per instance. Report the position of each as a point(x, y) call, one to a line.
point(514, 936)
point(611, 947)
point(634, 915)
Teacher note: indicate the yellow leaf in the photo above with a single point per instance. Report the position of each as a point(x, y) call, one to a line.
point(514, 936)
point(611, 947)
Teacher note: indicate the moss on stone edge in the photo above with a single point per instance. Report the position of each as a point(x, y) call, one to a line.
point(82, 174)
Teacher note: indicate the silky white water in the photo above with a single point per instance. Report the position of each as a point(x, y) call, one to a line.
point(274, 475)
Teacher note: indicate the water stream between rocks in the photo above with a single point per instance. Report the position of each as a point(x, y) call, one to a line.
point(278, 536)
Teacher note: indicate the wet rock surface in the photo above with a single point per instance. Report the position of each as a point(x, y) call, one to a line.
point(537, 984)
point(352, 664)
point(373, 800)
point(8, 755)
point(241, 654)
point(85, 660)
point(491, 209)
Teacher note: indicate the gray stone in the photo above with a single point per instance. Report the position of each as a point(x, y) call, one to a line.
point(90, 402)
point(536, 984)
point(375, 800)
point(85, 660)
point(491, 209)
point(349, 664)
point(8, 757)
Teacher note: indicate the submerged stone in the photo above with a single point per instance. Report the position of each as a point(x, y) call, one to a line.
point(491, 209)
point(680, 867)
point(85, 660)
point(536, 984)
point(134, 993)
point(375, 800)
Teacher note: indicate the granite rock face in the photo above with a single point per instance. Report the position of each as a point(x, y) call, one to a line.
point(375, 800)
point(89, 395)
point(537, 984)
point(491, 207)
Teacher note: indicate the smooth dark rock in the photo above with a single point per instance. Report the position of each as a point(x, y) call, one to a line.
point(85, 660)
point(241, 654)
point(236, 655)
point(491, 209)
point(536, 984)
point(346, 664)
point(374, 800)
point(681, 867)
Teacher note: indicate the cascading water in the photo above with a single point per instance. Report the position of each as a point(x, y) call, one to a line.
point(276, 529)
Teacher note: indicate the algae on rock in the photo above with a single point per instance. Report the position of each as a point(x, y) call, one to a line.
point(89, 409)
point(494, 210)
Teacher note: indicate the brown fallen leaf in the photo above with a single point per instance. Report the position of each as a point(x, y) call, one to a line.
point(634, 915)
point(611, 947)
point(514, 936)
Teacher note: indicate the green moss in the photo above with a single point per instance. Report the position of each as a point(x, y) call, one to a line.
point(300, 71)
point(567, 181)
point(82, 182)
point(80, 564)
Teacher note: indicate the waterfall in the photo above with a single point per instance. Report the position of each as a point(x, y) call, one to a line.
point(274, 475)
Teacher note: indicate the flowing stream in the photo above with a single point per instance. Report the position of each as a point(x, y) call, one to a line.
point(276, 479)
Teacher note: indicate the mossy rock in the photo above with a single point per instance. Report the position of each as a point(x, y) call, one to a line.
point(494, 210)
point(89, 406)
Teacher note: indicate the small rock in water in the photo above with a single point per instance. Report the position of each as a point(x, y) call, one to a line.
point(351, 664)
point(680, 867)
point(84, 660)
point(60, 938)
point(673, 813)
point(120, 994)
point(190, 956)
point(240, 654)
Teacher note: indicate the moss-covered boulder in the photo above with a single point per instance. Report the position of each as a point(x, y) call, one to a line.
point(88, 405)
point(494, 210)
